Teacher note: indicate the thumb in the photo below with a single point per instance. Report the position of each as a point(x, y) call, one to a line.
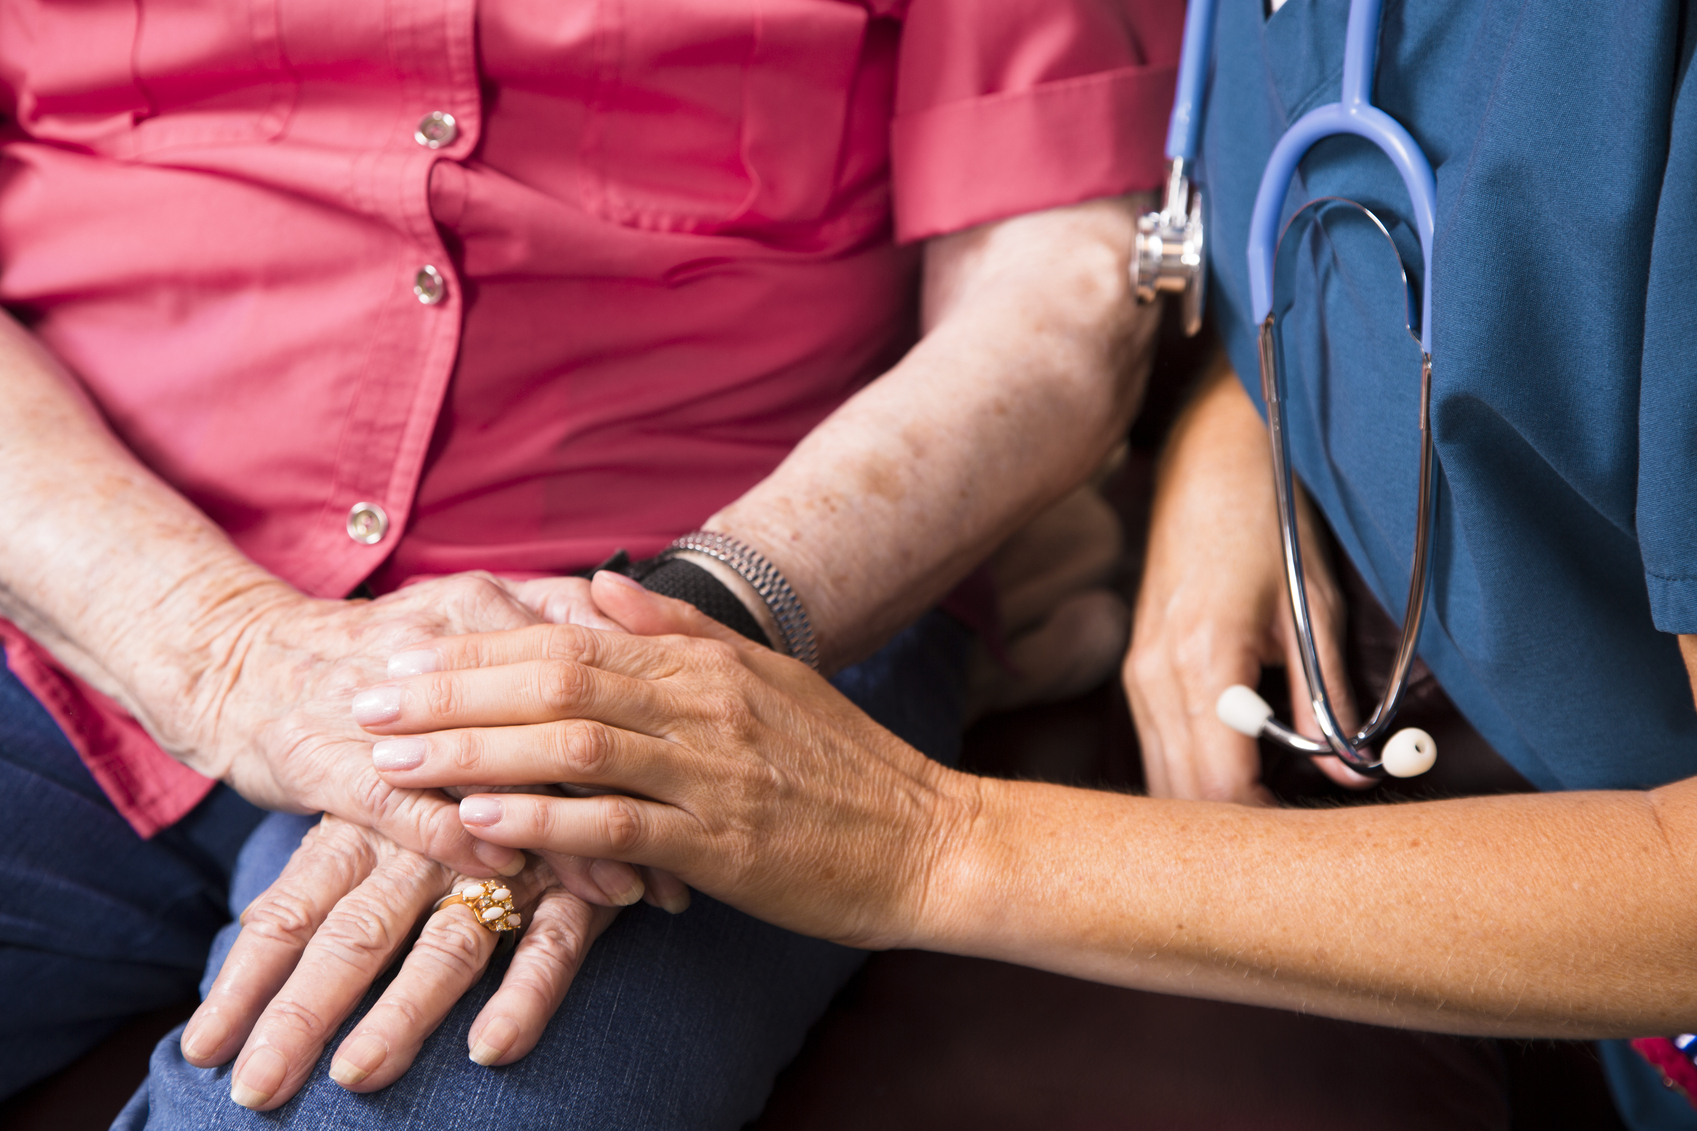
point(646, 613)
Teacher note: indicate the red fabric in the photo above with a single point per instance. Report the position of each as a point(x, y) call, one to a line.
point(666, 230)
point(152, 789)
point(1676, 1068)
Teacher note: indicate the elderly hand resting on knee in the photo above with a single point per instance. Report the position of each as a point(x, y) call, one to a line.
point(347, 906)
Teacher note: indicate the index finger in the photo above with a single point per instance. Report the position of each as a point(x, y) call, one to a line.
point(350, 948)
point(276, 928)
point(640, 657)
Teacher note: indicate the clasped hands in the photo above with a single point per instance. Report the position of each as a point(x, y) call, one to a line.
point(696, 754)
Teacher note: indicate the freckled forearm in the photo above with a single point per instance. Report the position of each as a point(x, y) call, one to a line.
point(1545, 915)
point(1030, 371)
point(102, 562)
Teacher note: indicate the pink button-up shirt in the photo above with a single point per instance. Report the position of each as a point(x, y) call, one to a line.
point(664, 238)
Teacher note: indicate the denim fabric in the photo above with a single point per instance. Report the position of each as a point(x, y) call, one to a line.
point(674, 1021)
point(98, 924)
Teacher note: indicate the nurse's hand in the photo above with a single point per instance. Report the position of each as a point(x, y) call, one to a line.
point(741, 771)
point(278, 719)
point(1212, 610)
point(343, 910)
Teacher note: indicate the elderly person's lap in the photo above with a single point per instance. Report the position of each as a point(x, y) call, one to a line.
point(672, 1020)
point(99, 925)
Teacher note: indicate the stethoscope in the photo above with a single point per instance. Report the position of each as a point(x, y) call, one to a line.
point(1170, 258)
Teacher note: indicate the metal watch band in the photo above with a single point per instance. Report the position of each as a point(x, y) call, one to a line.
point(753, 568)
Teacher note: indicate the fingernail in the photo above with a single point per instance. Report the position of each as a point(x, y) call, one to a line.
point(204, 1037)
point(358, 1059)
point(481, 811)
point(378, 705)
point(677, 902)
point(621, 579)
point(494, 1041)
point(403, 664)
point(618, 882)
point(260, 1078)
point(398, 753)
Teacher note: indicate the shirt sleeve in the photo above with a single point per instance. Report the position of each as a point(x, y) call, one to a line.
point(1667, 410)
point(1010, 106)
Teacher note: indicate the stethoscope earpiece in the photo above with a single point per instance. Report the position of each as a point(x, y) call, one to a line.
point(1243, 710)
point(1409, 752)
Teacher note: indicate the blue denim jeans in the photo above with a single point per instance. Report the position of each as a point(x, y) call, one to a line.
point(97, 925)
point(673, 1021)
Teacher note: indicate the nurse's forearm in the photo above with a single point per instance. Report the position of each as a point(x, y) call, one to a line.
point(1545, 915)
point(1030, 370)
point(125, 581)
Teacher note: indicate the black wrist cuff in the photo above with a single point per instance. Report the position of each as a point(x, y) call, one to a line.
point(687, 581)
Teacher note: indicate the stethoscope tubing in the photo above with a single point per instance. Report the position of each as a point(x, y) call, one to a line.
point(1353, 114)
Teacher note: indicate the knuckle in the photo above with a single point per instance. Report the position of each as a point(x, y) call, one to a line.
point(562, 685)
point(1145, 665)
point(455, 944)
point(716, 656)
point(441, 696)
point(290, 1014)
point(358, 933)
point(282, 916)
point(466, 750)
point(621, 825)
point(584, 748)
point(566, 643)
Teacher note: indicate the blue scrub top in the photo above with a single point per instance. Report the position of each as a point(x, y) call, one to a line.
point(1564, 401)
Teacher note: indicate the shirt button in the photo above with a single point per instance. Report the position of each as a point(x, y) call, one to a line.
point(367, 523)
point(429, 285)
point(436, 129)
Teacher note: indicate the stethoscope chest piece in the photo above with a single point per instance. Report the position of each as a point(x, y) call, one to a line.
point(1170, 256)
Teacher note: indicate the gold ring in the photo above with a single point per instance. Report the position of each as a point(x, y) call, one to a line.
point(488, 901)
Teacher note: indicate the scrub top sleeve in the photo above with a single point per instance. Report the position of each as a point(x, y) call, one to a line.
point(1667, 411)
point(1011, 106)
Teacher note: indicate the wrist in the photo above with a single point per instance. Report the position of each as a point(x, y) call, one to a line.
point(739, 588)
point(961, 852)
point(785, 622)
point(207, 642)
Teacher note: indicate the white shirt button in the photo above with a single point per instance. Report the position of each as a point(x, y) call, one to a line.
point(367, 523)
point(436, 129)
point(429, 285)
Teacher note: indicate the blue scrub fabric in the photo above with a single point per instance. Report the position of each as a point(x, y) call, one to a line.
point(673, 1021)
point(1564, 331)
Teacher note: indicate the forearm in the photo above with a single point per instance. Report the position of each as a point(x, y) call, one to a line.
point(1543, 915)
point(127, 583)
point(1029, 372)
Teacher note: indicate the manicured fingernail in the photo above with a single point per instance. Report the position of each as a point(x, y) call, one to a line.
point(481, 811)
point(398, 753)
point(259, 1079)
point(377, 705)
point(492, 1044)
point(403, 664)
point(621, 579)
point(358, 1059)
point(618, 882)
point(204, 1037)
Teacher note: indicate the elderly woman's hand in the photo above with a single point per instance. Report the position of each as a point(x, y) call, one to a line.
point(313, 943)
point(272, 717)
point(741, 771)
